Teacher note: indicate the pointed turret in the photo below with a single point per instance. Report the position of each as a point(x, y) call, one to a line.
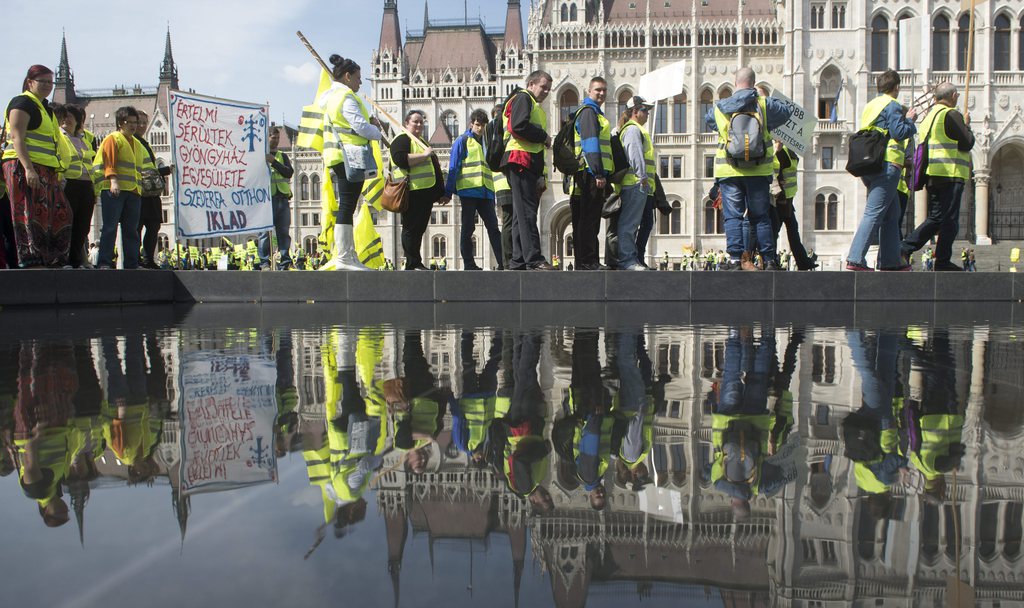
point(426, 16)
point(513, 25)
point(390, 31)
point(168, 71)
point(79, 491)
point(64, 80)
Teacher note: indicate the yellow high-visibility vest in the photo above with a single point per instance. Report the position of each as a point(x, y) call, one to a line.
point(421, 176)
point(129, 156)
point(43, 142)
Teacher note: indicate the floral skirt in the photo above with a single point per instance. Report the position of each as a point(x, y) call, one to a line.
point(41, 217)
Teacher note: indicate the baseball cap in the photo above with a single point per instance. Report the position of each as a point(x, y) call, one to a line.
point(638, 102)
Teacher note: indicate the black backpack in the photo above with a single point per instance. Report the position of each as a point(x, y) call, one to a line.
point(867, 152)
point(619, 159)
point(563, 148)
point(862, 438)
point(494, 139)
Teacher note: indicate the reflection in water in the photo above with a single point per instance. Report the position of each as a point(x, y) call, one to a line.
point(748, 463)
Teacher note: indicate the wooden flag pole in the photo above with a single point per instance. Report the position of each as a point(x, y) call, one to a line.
point(970, 62)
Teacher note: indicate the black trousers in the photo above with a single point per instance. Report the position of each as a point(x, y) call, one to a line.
point(347, 194)
point(943, 219)
point(82, 199)
point(414, 225)
point(525, 207)
point(506, 232)
point(150, 218)
point(787, 218)
point(586, 219)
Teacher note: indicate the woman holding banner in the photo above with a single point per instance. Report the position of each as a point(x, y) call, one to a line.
point(413, 157)
point(348, 130)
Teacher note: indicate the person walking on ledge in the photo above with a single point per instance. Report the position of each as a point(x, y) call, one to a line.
point(950, 140)
point(882, 211)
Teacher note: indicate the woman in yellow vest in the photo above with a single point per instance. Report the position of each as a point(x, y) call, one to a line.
point(116, 169)
point(348, 130)
point(471, 178)
point(638, 183)
point(78, 181)
point(31, 165)
point(413, 157)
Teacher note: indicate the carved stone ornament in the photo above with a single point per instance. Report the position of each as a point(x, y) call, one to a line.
point(821, 53)
point(689, 69)
point(839, 53)
point(1004, 101)
point(970, 102)
point(809, 53)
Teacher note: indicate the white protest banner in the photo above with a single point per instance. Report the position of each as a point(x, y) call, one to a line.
point(663, 83)
point(221, 178)
point(912, 57)
point(796, 133)
point(228, 406)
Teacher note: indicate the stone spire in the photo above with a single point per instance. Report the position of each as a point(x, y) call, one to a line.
point(64, 79)
point(426, 16)
point(390, 31)
point(513, 25)
point(168, 71)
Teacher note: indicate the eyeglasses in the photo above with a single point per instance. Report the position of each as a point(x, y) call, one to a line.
point(41, 81)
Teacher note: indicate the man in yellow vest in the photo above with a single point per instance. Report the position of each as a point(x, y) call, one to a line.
point(590, 185)
point(471, 179)
point(116, 173)
point(638, 183)
point(786, 162)
point(524, 165)
point(881, 213)
point(151, 209)
point(281, 172)
point(744, 164)
point(950, 140)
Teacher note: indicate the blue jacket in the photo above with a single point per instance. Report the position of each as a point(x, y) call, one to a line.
point(892, 119)
point(587, 132)
point(458, 156)
point(745, 100)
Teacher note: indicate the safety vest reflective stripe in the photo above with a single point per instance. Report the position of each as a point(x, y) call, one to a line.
point(500, 182)
point(944, 156)
point(421, 176)
point(631, 178)
point(128, 159)
point(788, 174)
point(538, 118)
point(82, 155)
point(279, 184)
point(42, 142)
point(723, 169)
point(895, 151)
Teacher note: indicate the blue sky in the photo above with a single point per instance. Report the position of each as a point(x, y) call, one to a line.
point(237, 49)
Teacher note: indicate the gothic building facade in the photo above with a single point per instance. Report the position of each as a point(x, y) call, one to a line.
point(821, 53)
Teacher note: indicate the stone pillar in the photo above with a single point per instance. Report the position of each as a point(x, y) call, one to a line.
point(981, 179)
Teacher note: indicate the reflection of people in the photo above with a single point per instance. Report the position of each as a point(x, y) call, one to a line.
point(741, 422)
point(473, 412)
point(637, 401)
point(870, 434)
point(516, 446)
point(134, 431)
point(85, 437)
point(934, 423)
point(419, 407)
point(47, 382)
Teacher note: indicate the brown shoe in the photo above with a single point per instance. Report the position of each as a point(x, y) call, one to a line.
point(746, 263)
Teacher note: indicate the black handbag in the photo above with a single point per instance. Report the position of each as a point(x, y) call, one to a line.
point(867, 153)
point(612, 206)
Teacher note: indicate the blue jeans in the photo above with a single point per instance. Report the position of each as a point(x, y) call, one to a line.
point(881, 217)
point(646, 227)
point(634, 201)
point(874, 358)
point(124, 210)
point(470, 208)
point(749, 195)
point(282, 226)
point(746, 373)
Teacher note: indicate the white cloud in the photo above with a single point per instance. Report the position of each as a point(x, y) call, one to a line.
point(307, 73)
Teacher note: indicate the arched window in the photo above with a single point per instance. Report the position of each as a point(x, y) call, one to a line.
point(679, 113)
point(899, 41)
point(838, 16)
point(725, 92)
point(570, 249)
point(314, 184)
point(304, 188)
point(451, 125)
point(309, 245)
point(475, 246)
point(879, 44)
point(826, 212)
point(573, 14)
point(565, 12)
point(1020, 44)
point(661, 118)
point(707, 101)
point(940, 44)
point(963, 32)
point(828, 86)
point(568, 101)
point(624, 96)
point(714, 222)
point(1001, 44)
point(439, 247)
point(673, 222)
point(162, 242)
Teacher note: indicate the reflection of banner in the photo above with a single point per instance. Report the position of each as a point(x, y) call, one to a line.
point(221, 177)
point(228, 406)
point(796, 133)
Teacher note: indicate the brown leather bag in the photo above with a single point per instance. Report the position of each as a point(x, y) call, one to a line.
point(395, 197)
